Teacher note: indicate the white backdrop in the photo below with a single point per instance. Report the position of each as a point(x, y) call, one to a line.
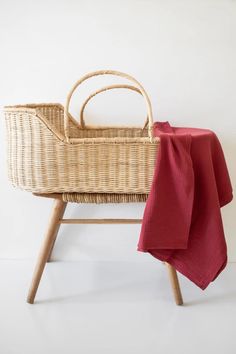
point(182, 51)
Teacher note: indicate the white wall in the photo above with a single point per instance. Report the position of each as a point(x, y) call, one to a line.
point(184, 53)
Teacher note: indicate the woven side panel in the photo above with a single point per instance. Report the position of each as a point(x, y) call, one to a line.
point(41, 163)
point(108, 133)
point(100, 198)
point(54, 115)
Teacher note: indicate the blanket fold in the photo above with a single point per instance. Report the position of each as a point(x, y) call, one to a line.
point(182, 222)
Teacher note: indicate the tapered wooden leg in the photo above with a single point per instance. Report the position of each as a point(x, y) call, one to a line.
point(174, 284)
point(61, 212)
point(46, 248)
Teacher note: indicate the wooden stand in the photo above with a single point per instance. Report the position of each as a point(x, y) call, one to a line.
point(49, 240)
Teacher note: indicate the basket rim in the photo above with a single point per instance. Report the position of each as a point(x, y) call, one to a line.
point(34, 108)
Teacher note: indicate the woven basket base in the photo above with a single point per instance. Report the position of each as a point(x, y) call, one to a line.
point(100, 198)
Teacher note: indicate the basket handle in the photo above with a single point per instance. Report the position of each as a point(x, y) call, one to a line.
point(103, 89)
point(115, 73)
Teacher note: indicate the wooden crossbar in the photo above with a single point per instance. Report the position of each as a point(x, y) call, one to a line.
point(100, 221)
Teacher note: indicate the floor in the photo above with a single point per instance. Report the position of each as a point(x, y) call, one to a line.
point(114, 307)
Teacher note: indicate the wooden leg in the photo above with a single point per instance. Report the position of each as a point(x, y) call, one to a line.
point(60, 214)
point(174, 284)
point(46, 248)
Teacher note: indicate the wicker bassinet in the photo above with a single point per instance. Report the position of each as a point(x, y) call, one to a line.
point(49, 152)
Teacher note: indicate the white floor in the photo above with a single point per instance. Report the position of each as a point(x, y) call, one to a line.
point(114, 307)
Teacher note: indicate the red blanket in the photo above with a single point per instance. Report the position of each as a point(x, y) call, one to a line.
point(182, 222)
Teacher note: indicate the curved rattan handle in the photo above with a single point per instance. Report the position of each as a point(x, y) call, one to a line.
point(103, 89)
point(115, 73)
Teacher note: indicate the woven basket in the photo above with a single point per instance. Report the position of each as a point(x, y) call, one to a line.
point(49, 152)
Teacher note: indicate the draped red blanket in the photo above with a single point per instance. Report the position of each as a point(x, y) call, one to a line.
point(182, 222)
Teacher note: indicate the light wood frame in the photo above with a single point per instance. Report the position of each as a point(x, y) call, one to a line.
point(50, 237)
